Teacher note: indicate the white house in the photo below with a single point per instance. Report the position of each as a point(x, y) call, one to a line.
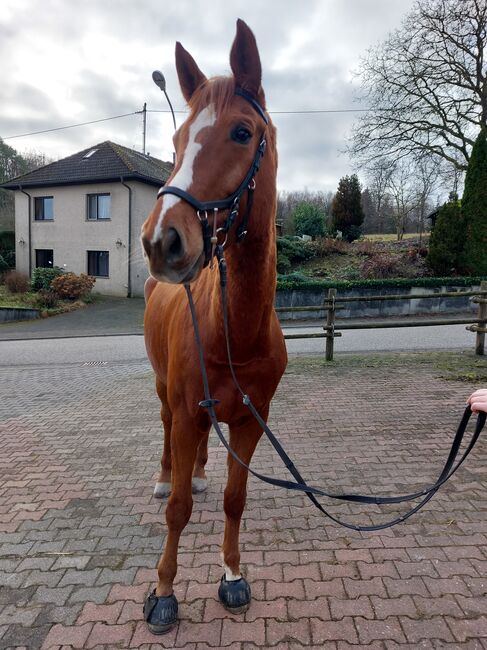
point(84, 214)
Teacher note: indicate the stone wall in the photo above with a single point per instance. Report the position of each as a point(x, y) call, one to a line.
point(378, 308)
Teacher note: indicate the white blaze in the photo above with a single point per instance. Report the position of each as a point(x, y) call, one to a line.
point(184, 176)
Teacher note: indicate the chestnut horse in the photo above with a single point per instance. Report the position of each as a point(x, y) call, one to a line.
point(216, 147)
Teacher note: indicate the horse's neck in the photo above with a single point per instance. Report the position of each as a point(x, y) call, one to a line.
point(251, 290)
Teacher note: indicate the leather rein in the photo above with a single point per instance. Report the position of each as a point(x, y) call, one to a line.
point(450, 467)
point(213, 248)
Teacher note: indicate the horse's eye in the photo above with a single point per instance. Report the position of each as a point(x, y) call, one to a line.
point(241, 135)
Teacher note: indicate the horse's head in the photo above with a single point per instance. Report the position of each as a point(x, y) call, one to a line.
point(217, 148)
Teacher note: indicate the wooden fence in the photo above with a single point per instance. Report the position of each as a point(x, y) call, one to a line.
point(332, 305)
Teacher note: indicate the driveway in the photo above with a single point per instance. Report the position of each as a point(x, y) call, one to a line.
point(113, 316)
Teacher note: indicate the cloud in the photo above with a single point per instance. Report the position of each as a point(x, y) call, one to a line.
point(66, 61)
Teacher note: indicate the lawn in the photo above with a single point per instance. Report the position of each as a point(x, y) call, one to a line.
point(26, 300)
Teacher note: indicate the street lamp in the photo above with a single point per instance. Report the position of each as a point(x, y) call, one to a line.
point(160, 81)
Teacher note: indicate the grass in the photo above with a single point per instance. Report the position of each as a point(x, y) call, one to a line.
point(450, 366)
point(393, 236)
point(26, 300)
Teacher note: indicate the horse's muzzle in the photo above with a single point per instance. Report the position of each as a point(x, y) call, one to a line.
point(169, 259)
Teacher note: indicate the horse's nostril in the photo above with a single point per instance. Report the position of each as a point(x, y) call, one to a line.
point(174, 245)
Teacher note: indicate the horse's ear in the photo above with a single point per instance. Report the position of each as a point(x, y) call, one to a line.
point(190, 76)
point(245, 60)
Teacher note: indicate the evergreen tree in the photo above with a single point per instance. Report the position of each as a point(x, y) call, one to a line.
point(309, 219)
point(447, 240)
point(474, 209)
point(346, 208)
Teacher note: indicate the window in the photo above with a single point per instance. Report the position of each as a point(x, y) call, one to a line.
point(98, 207)
point(44, 258)
point(98, 263)
point(43, 208)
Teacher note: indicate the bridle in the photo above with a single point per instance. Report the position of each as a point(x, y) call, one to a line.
point(231, 202)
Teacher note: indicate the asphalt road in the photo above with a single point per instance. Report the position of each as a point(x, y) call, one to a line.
point(97, 349)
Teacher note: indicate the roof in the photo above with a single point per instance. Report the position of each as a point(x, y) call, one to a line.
point(102, 162)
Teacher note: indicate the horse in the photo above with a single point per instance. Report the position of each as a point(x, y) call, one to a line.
point(219, 148)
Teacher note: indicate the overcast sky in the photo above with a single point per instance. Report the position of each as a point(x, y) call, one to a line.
point(66, 61)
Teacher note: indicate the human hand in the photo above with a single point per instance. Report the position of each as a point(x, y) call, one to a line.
point(478, 400)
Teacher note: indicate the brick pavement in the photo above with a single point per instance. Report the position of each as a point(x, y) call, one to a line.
point(80, 533)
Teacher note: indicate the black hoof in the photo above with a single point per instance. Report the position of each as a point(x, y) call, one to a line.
point(160, 612)
point(234, 595)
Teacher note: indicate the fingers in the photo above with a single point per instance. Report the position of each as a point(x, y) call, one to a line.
point(478, 400)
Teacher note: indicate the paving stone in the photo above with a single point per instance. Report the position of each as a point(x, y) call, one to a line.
point(57, 595)
point(86, 594)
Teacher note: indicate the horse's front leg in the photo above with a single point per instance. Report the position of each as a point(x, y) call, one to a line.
point(234, 590)
point(160, 608)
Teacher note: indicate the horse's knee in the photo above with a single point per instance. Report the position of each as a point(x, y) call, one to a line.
point(178, 511)
point(233, 503)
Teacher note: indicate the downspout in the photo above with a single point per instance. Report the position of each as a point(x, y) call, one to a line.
point(29, 236)
point(129, 244)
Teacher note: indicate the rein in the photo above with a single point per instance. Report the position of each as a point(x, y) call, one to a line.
point(449, 468)
point(231, 202)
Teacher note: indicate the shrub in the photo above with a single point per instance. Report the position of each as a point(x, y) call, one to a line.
point(72, 286)
point(389, 266)
point(309, 219)
point(283, 264)
point(299, 281)
point(327, 246)
point(295, 249)
point(16, 282)
point(447, 240)
point(47, 298)
point(365, 247)
point(42, 278)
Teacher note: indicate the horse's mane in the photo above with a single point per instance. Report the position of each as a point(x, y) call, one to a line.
point(217, 91)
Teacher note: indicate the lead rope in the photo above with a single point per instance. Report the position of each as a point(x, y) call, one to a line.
point(209, 404)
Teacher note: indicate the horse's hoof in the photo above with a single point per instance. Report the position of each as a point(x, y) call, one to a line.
point(160, 612)
point(199, 485)
point(162, 490)
point(234, 595)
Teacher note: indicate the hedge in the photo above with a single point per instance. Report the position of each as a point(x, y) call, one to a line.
point(298, 281)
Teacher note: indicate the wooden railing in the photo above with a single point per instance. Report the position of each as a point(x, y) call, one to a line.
point(331, 305)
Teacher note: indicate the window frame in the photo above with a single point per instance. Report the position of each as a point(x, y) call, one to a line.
point(37, 200)
point(97, 195)
point(98, 253)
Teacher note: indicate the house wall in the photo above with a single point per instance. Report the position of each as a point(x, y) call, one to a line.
point(144, 197)
point(70, 235)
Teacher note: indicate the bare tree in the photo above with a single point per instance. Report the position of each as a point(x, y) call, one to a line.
point(403, 194)
point(426, 177)
point(379, 174)
point(426, 85)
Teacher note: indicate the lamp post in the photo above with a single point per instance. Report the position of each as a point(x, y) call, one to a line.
point(160, 82)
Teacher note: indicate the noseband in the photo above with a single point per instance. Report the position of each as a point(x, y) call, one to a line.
point(232, 202)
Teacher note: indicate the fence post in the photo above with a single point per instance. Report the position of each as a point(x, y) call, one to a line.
point(482, 316)
point(330, 324)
